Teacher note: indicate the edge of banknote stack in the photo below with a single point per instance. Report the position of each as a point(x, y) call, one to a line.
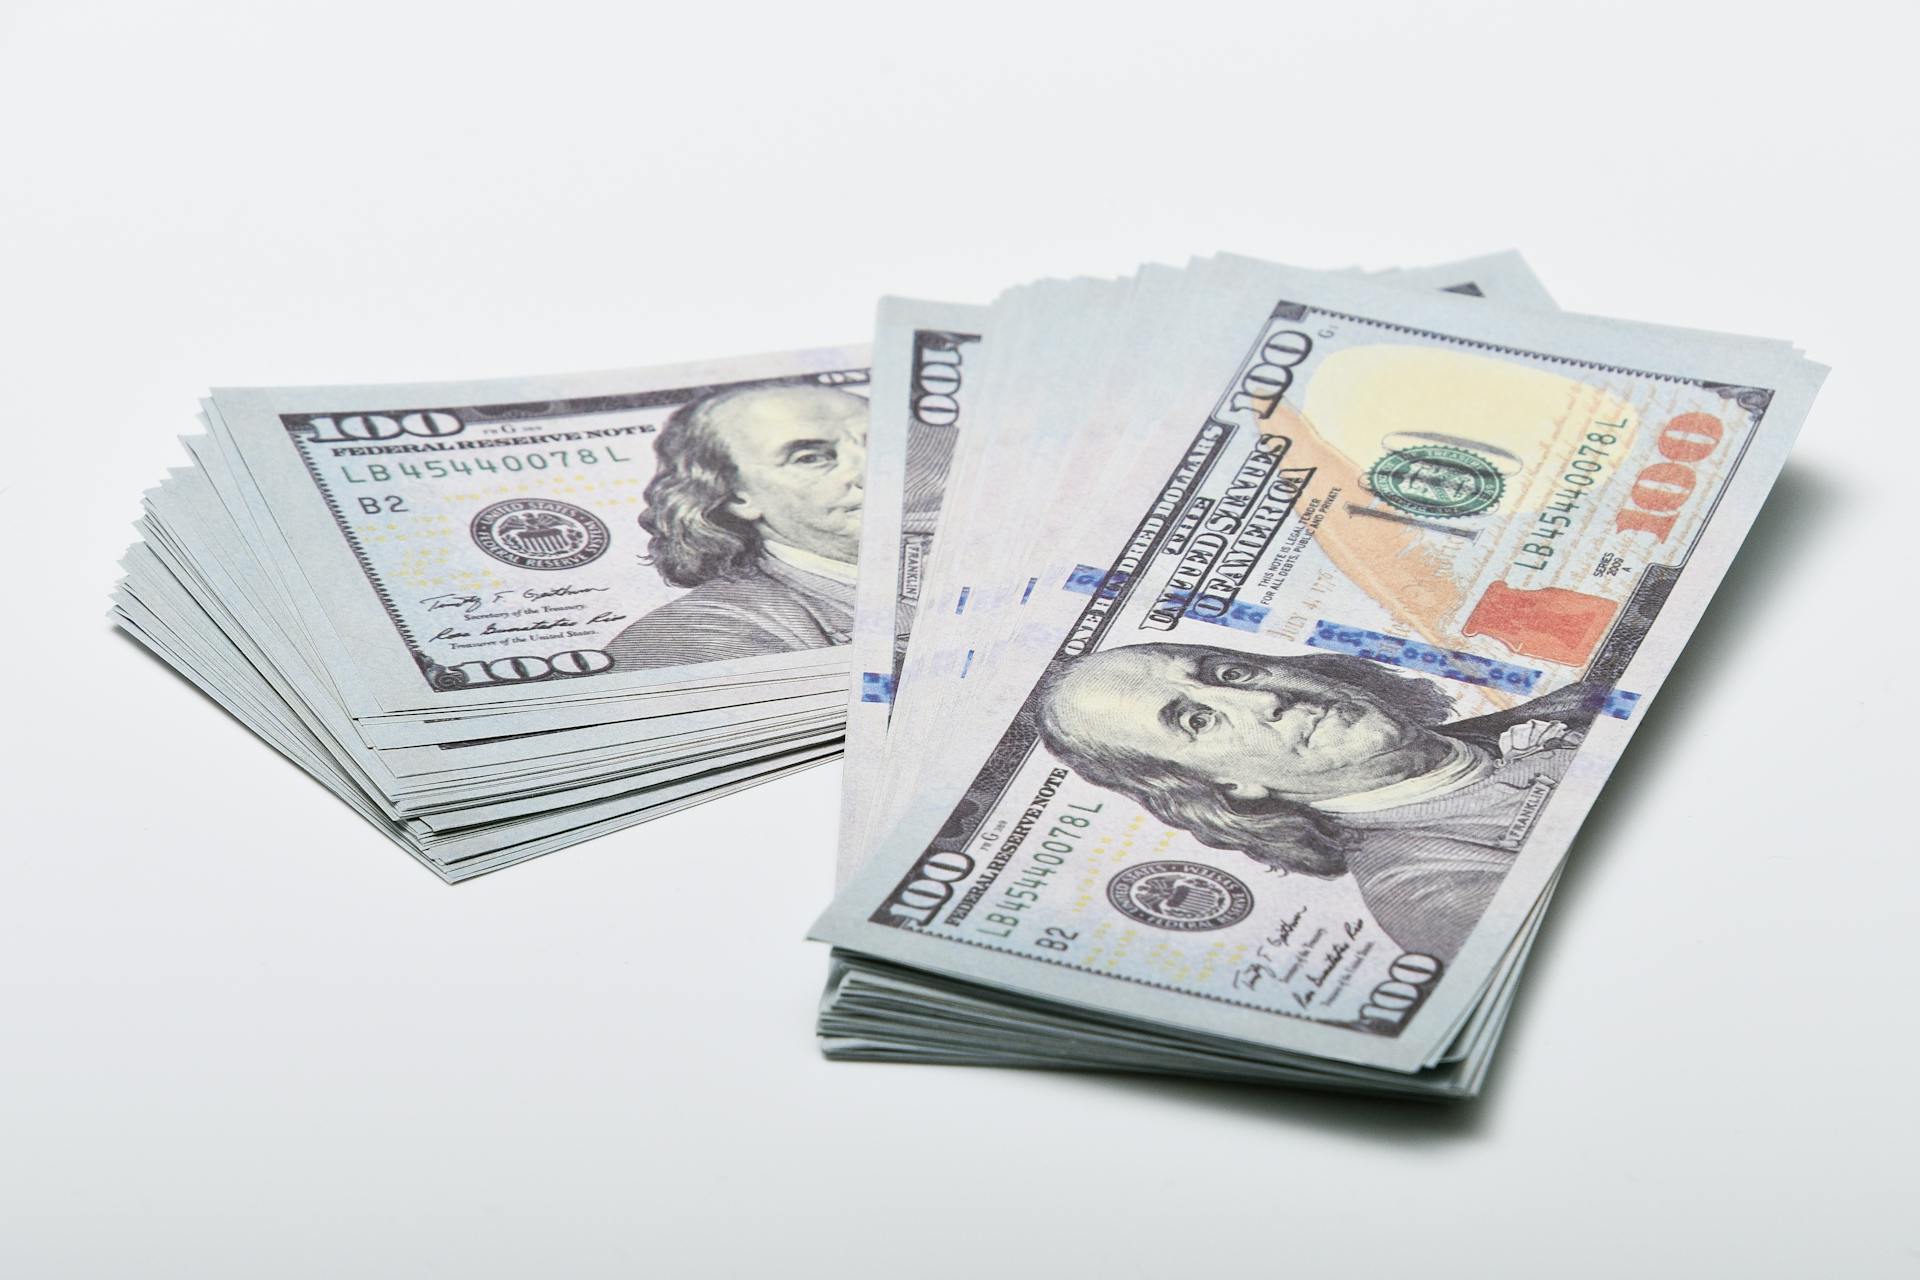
point(1239, 649)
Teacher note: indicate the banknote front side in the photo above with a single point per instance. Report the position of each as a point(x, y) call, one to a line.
point(1327, 695)
point(588, 535)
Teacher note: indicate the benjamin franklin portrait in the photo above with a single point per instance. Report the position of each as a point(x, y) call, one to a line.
point(756, 508)
point(1321, 765)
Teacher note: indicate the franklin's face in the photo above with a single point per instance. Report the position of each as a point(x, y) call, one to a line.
point(802, 457)
point(1258, 728)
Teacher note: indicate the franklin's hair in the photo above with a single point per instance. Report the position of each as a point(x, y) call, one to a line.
point(695, 538)
point(1282, 834)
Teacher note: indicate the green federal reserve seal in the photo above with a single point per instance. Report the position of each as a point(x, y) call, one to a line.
point(1436, 480)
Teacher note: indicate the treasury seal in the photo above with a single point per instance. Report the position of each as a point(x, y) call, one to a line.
point(539, 533)
point(1182, 896)
point(1436, 480)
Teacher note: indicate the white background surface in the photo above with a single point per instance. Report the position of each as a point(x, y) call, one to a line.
point(241, 1035)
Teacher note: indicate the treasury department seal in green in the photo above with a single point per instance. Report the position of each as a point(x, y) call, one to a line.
point(1436, 480)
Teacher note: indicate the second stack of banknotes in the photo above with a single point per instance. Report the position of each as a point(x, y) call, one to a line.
point(498, 618)
point(1248, 649)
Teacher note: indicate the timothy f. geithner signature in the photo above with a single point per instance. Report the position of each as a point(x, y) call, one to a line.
point(468, 601)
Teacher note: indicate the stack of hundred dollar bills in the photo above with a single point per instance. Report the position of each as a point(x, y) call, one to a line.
point(1239, 649)
point(498, 618)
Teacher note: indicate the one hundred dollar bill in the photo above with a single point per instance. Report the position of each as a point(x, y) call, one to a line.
point(1354, 642)
point(498, 618)
point(467, 547)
